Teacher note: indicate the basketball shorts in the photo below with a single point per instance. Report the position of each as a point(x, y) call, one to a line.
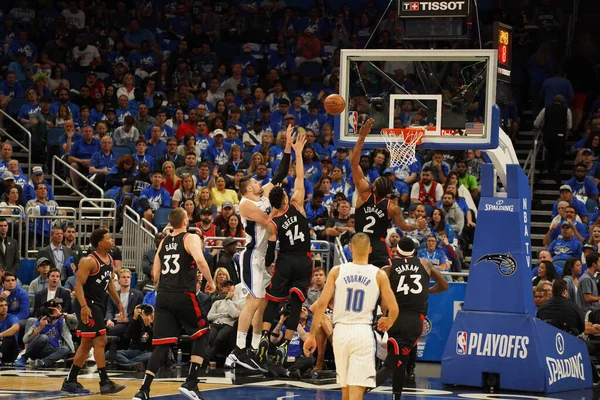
point(380, 255)
point(354, 348)
point(293, 274)
point(403, 336)
point(96, 325)
point(175, 312)
point(254, 272)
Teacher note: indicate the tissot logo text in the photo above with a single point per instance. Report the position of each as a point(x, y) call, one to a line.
point(442, 5)
point(494, 345)
point(571, 367)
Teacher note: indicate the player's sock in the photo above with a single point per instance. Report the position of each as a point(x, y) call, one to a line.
point(241, 340)
point(103, 374)
point(73, 373)
point(147, 382)
point(193, 374)
point(255, 340)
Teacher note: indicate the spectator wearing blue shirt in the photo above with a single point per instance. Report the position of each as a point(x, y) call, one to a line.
point(557, 85)
point(153, 197)
point(156, 147)
point(181, 23)
point(400, 189)
point(313, 120)
point(10, 89)
point(245, 58)
point(312, 165)
point(341, 160)
point(580, 232)
point(316, 213)
point(268, 125)
point(566, 194)
point(81, 154)
point(135, 36)
point(232, 137)
point(283, 62)
point(439, 167)
point(278, 116)
point(124, 109)
point(103, 161)
point(297, 109)
point(262, 175)
point(22, 45)
point(435, 255)
point(305, 92)
point(566, 246)
point(165, 130)
point(9, 331)
point(218, 152)
point(141, 155)
point(145, 59)
point(36, 177)
point(29, 109)
point(63, 98)
point(22, 67)
point(69, 138)
point(291, 183)
point(17, 298)
point(584, 188)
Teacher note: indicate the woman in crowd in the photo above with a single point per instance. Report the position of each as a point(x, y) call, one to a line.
point(255, 161)
point(204, 200)
point(234, 227)
point(111, 101)
point(128, 87)
point(236, 162)
point(171, 181)
point(12, 202)
point(325, 186)
point(56, 80)
point(176, 120)
point(571, 273)
point(186, 191)
point(189, 146)
point(438, 224)
point(63, 115)
point(120, 178)
point(546, 272)
point(192, 212)
point(221, 275)
point(220, 193)
point(312, 165)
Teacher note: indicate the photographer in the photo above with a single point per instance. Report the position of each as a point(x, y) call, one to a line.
point(140, 334)
point(222, 317)
point(9, 329)
point(49, 339)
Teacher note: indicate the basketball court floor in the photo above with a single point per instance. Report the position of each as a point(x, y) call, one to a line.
point(226, 385)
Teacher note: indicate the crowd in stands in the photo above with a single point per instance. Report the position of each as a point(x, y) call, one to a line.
point(169, 104)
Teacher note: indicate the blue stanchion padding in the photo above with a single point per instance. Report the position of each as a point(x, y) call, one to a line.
point(497, 331)
point(438, 324)
point(26, 271)
point(529, 354)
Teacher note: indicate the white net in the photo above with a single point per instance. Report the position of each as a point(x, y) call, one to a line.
point(401, 144)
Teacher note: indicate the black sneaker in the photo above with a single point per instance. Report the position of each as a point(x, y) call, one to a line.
point(190, 390)
point(410, 374)
point(73, 387)
point(243, 357)
point(280, 355)
point(141, 395)
point(109, 387)
point(263, 349)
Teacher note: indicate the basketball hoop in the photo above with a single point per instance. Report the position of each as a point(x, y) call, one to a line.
point(401, 144)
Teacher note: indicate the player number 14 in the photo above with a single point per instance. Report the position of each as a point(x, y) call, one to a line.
point(295, 236)
point(404, 287)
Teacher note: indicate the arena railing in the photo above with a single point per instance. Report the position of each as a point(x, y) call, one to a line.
point(531, 160)
point(15, 216)
point(94, 213)
point(57, 160)
point(19, 142)
point(338, 256)
point(35, 234)
point(138, 236)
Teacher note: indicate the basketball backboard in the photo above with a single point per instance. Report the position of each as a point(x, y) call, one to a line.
point(448, 93)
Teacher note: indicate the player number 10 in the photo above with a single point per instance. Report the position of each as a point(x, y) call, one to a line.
point(355, 299)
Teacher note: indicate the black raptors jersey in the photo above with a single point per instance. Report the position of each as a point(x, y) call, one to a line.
point(98, 280)
point(410, 280)
point(178, 267)
point(293, 231)
point(372, 218)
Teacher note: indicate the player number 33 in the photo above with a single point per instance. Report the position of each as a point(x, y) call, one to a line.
point(167, 261)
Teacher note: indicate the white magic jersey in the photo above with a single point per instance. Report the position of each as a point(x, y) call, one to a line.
point(356, 294)
point(256, 236)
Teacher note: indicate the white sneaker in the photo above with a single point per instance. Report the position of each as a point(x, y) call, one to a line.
point(229, 362)
point(91, 356)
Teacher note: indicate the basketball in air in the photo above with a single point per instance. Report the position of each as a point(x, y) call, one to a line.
point(335, 104)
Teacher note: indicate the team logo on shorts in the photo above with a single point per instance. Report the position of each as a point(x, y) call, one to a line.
point(506, 264)
point(91, 323)
point(426, 327)
point(461, 343)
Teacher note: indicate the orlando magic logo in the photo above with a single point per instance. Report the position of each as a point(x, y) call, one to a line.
point(426, 327)
point(505, 262)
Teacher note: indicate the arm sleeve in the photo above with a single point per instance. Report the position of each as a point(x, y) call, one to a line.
point(283, 169)
point(270, 257)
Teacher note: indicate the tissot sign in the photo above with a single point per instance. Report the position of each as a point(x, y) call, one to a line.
point(439, 8)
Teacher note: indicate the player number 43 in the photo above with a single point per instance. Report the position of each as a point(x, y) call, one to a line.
point(295, 236)
point(404, 287)
point(167, 261)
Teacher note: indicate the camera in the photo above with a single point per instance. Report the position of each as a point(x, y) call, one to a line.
point(45, 309)
point(286, 308)
point(376, 102)
point(147, 309)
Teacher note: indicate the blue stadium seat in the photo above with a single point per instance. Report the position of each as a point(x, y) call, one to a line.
point(311, 69)
point(26, 84)
point(15, 106)
point(248, 155)
point(131, 147)
point(120, 151)
point(76, 79)
point(54, 135)
point(161, 217)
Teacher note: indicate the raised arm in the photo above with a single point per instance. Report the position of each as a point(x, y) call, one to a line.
point(441, 284)
point(284, 165)
point(299, 190)
point(361, 184)
point(251, 211)
point(396, 216)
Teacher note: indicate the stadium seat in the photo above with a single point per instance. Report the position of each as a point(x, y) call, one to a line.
point(26, 84)
point(311, 69)
point(54, 135)
point(161, 217)
point(120, 151)
point(76, 79)
point(15, 106)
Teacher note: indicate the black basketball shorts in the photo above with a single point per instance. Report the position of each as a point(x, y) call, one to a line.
point(293, 274)
point(175, 312)
point(403, 336)
point(380, 254)
point(96, 325)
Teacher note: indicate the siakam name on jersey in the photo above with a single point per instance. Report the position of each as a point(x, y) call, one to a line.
point(492, 345)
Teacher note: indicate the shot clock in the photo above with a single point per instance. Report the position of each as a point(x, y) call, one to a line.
point(503, 43)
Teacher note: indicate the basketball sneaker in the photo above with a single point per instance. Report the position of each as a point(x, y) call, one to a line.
point(141, 395)
point(73, 387)
point(229, 362)
point(109, 387)
point(243, 357)
point(280, 355)
point(263, 349)
point(190, 390)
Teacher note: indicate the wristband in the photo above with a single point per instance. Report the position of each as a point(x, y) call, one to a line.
point(85, 305)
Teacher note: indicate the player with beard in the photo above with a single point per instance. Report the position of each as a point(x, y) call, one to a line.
point(374, 210)
point(409, 277)
point(254, 211)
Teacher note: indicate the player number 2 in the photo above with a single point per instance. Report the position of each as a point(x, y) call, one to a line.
point(295, 236)
point(370, 223)
point(354, 299)
point(171, 258)
point(404, 287)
